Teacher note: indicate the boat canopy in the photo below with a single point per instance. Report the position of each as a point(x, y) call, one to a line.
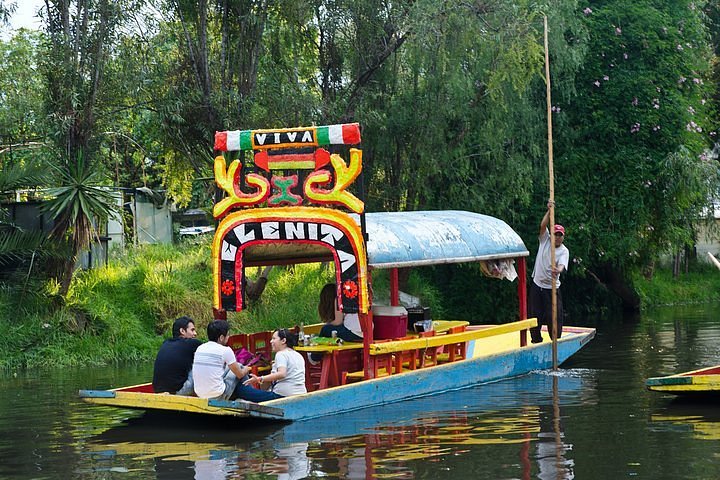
point(407, 239)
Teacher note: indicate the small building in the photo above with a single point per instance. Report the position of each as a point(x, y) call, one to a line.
point(150, 214)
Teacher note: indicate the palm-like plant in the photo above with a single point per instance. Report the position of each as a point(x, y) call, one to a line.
point(77, 206)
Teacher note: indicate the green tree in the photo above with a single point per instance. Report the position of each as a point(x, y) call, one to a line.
point(632, 173)
point(21, 103)
point(79, 40)
point(6, 9)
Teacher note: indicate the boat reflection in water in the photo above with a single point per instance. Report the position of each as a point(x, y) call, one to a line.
point(700, 420)
point(404, 440)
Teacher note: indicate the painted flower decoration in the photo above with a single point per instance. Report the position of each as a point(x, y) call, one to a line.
point(227, 287)
point(350, 289)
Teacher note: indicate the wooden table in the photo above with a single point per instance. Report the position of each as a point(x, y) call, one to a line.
point(329, 365)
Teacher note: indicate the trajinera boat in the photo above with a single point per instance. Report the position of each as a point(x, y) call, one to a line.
point(697, 383)
point(288, 201)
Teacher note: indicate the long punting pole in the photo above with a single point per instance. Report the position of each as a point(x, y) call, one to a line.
point(551, 177)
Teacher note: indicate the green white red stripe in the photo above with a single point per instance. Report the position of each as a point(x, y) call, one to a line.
point(341, 134)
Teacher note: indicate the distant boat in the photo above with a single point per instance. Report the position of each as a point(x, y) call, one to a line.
point(697, 383)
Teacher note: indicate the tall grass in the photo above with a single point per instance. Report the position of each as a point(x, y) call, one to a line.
point(699, 285)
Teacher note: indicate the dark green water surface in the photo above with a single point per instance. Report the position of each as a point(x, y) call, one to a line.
point(592, 420)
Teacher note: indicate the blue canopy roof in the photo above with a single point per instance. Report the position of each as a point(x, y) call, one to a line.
point(405, 239)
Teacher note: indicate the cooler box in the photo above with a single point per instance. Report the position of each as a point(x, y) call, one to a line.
point(389, 322)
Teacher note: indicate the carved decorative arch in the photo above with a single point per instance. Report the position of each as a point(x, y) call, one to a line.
point(307, 226)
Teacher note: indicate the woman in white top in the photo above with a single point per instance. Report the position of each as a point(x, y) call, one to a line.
point(287, 376)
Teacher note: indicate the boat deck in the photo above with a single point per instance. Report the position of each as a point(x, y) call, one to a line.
point(489, 358)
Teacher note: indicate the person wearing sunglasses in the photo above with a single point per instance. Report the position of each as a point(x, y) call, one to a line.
point(544, 273)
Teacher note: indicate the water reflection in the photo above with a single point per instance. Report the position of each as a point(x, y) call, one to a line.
point(419, 438)
point(551, 446)
point(602, 423)
point(699, 420)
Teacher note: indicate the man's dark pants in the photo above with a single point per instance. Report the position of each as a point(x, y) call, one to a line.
point(540, 306)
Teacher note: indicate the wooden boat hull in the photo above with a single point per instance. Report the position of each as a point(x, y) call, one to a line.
point(703, 382)
point(493, 358)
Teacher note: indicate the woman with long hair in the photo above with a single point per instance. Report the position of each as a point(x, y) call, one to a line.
point(347, 325)
point(287, 376)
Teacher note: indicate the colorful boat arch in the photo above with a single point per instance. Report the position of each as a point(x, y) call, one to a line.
point(331, 232)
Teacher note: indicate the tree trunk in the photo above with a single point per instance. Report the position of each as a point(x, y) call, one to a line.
point(67, 274)
point(617, 282)
point(255, 288)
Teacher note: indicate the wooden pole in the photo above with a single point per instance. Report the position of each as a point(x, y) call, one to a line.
point(551, 181)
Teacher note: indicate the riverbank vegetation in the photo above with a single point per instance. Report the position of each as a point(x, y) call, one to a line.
point(451, 98)
point(700, 284)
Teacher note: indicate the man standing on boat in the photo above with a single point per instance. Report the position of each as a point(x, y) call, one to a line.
point(174, 359)
point(544, 274)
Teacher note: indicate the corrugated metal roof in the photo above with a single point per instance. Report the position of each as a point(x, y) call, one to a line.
point(405, 239)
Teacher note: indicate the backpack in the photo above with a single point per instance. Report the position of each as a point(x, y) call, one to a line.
point(249, 359)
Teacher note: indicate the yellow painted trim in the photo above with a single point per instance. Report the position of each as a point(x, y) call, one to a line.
point(427, 342)
point(177, 403)
point(291, 164)
point(701, 383)
point(345, 175)
point(705, 379)
point(290, 214)
point(225, 179)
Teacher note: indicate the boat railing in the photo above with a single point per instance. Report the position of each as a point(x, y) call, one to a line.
point(450, 338)
point(395, 356)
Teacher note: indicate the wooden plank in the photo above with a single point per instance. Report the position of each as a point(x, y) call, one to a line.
point(436, 341)
point(97, 394)
point(161, 401)
point(668, 381)
point(249, 406)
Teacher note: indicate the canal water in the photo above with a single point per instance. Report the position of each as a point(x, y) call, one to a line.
point(592, 420)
